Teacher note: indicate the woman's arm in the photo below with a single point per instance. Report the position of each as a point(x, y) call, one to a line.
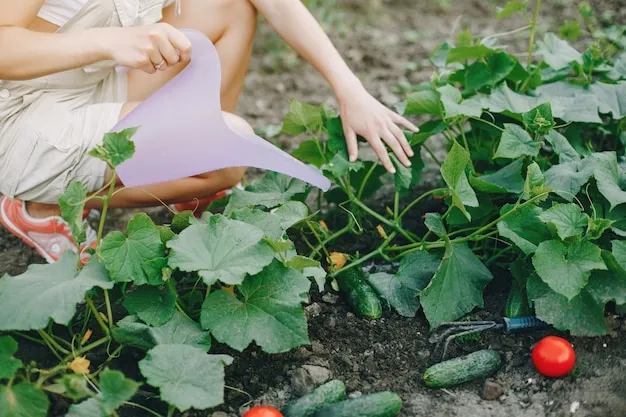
point(26, 54)
point(361, 113)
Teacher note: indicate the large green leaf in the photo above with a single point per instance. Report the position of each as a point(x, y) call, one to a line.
point(71, 204)
point(302, 117)
point(562, 147)
point(423, 102)
point(271, 191)
point(606, 286)
point(582, 315)
point(579, 108)
point(23, 400)
point(269, 311)
point(566, 267)
point(48, 292)
point(606, 98)
point(557, 53)
point(178, 330)
point(9, 364)
point(505, 180)
point(151, 304)
point(611, 98)
point(464, 53)
point(515, 143)
point(566, 179)
point(454, 105)
point(310, 152)
point(186, 376)
point(523, 227)
point(610, 178)
point(115, 390)
point(457, 287)
point(222, 250)
point(568, 219)
point(138, 256)
point(274, 224)
point(402, 289)
point(453, 172)
point(497, 68)
point(117, 147)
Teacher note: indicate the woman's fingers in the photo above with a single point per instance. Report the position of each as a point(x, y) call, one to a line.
point(395, 146)
point(181, 43)
point(399, 134)
point(380, 150)
point(168, 52)
point(404, 122)
point(155, 56)
point(351, 141)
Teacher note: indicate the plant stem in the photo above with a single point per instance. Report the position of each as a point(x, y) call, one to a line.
point(48, 339)
point(96, 314)
point(411, 237)
point(396, 206)
point(418, 199)
point(335, 235)
point(141, 407)
point(466, 144)
point(319, 239)
point(27, 337)
point(365, 180)
point(170, 411)
point(478, 119)
point(372, 254)
point(105, 206)
point(90, 346)
point(432, 155)
point(533, 30)
point(109, 310)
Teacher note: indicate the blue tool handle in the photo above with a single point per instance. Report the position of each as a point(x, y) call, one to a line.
point(514, 324)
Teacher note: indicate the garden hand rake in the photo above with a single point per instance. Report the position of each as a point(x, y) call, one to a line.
point(453, 330)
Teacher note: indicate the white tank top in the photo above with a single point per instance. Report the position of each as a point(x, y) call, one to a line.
point(59, 12)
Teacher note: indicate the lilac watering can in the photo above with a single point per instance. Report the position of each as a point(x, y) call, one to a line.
point(183, 133)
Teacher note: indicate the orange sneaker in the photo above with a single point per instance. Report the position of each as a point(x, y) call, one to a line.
point(199, 206)
point(51, 237)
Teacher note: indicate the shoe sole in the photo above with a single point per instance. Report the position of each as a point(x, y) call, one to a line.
point(8, 224)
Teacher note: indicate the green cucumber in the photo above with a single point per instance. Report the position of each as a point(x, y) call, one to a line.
point(329, 393)
point(459, 370)
point(517, 303)
point(381, 404)
point(359, 293)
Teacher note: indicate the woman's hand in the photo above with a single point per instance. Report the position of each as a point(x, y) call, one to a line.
point(148, 48)
point(365, 116)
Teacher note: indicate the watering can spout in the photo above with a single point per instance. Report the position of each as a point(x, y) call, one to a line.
point(183, 132)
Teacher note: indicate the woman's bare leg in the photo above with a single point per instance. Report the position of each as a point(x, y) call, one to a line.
point(230, 24)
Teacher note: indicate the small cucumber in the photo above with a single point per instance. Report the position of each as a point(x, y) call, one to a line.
point(359, 293)
point(459, 370)
point(517, 303)
point(329, 393)
point(381, 404)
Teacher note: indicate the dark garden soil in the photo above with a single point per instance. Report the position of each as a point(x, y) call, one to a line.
point(392, 353)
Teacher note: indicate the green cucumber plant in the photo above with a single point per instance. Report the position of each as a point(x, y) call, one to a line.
point(167, 290)
point(533, 183)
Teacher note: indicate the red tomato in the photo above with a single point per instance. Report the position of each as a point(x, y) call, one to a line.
point(554, 357)
point(263, 411)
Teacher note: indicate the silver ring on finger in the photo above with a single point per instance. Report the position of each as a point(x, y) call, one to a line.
point(160, 65)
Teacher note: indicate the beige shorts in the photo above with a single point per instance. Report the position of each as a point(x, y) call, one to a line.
point(48, 125)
